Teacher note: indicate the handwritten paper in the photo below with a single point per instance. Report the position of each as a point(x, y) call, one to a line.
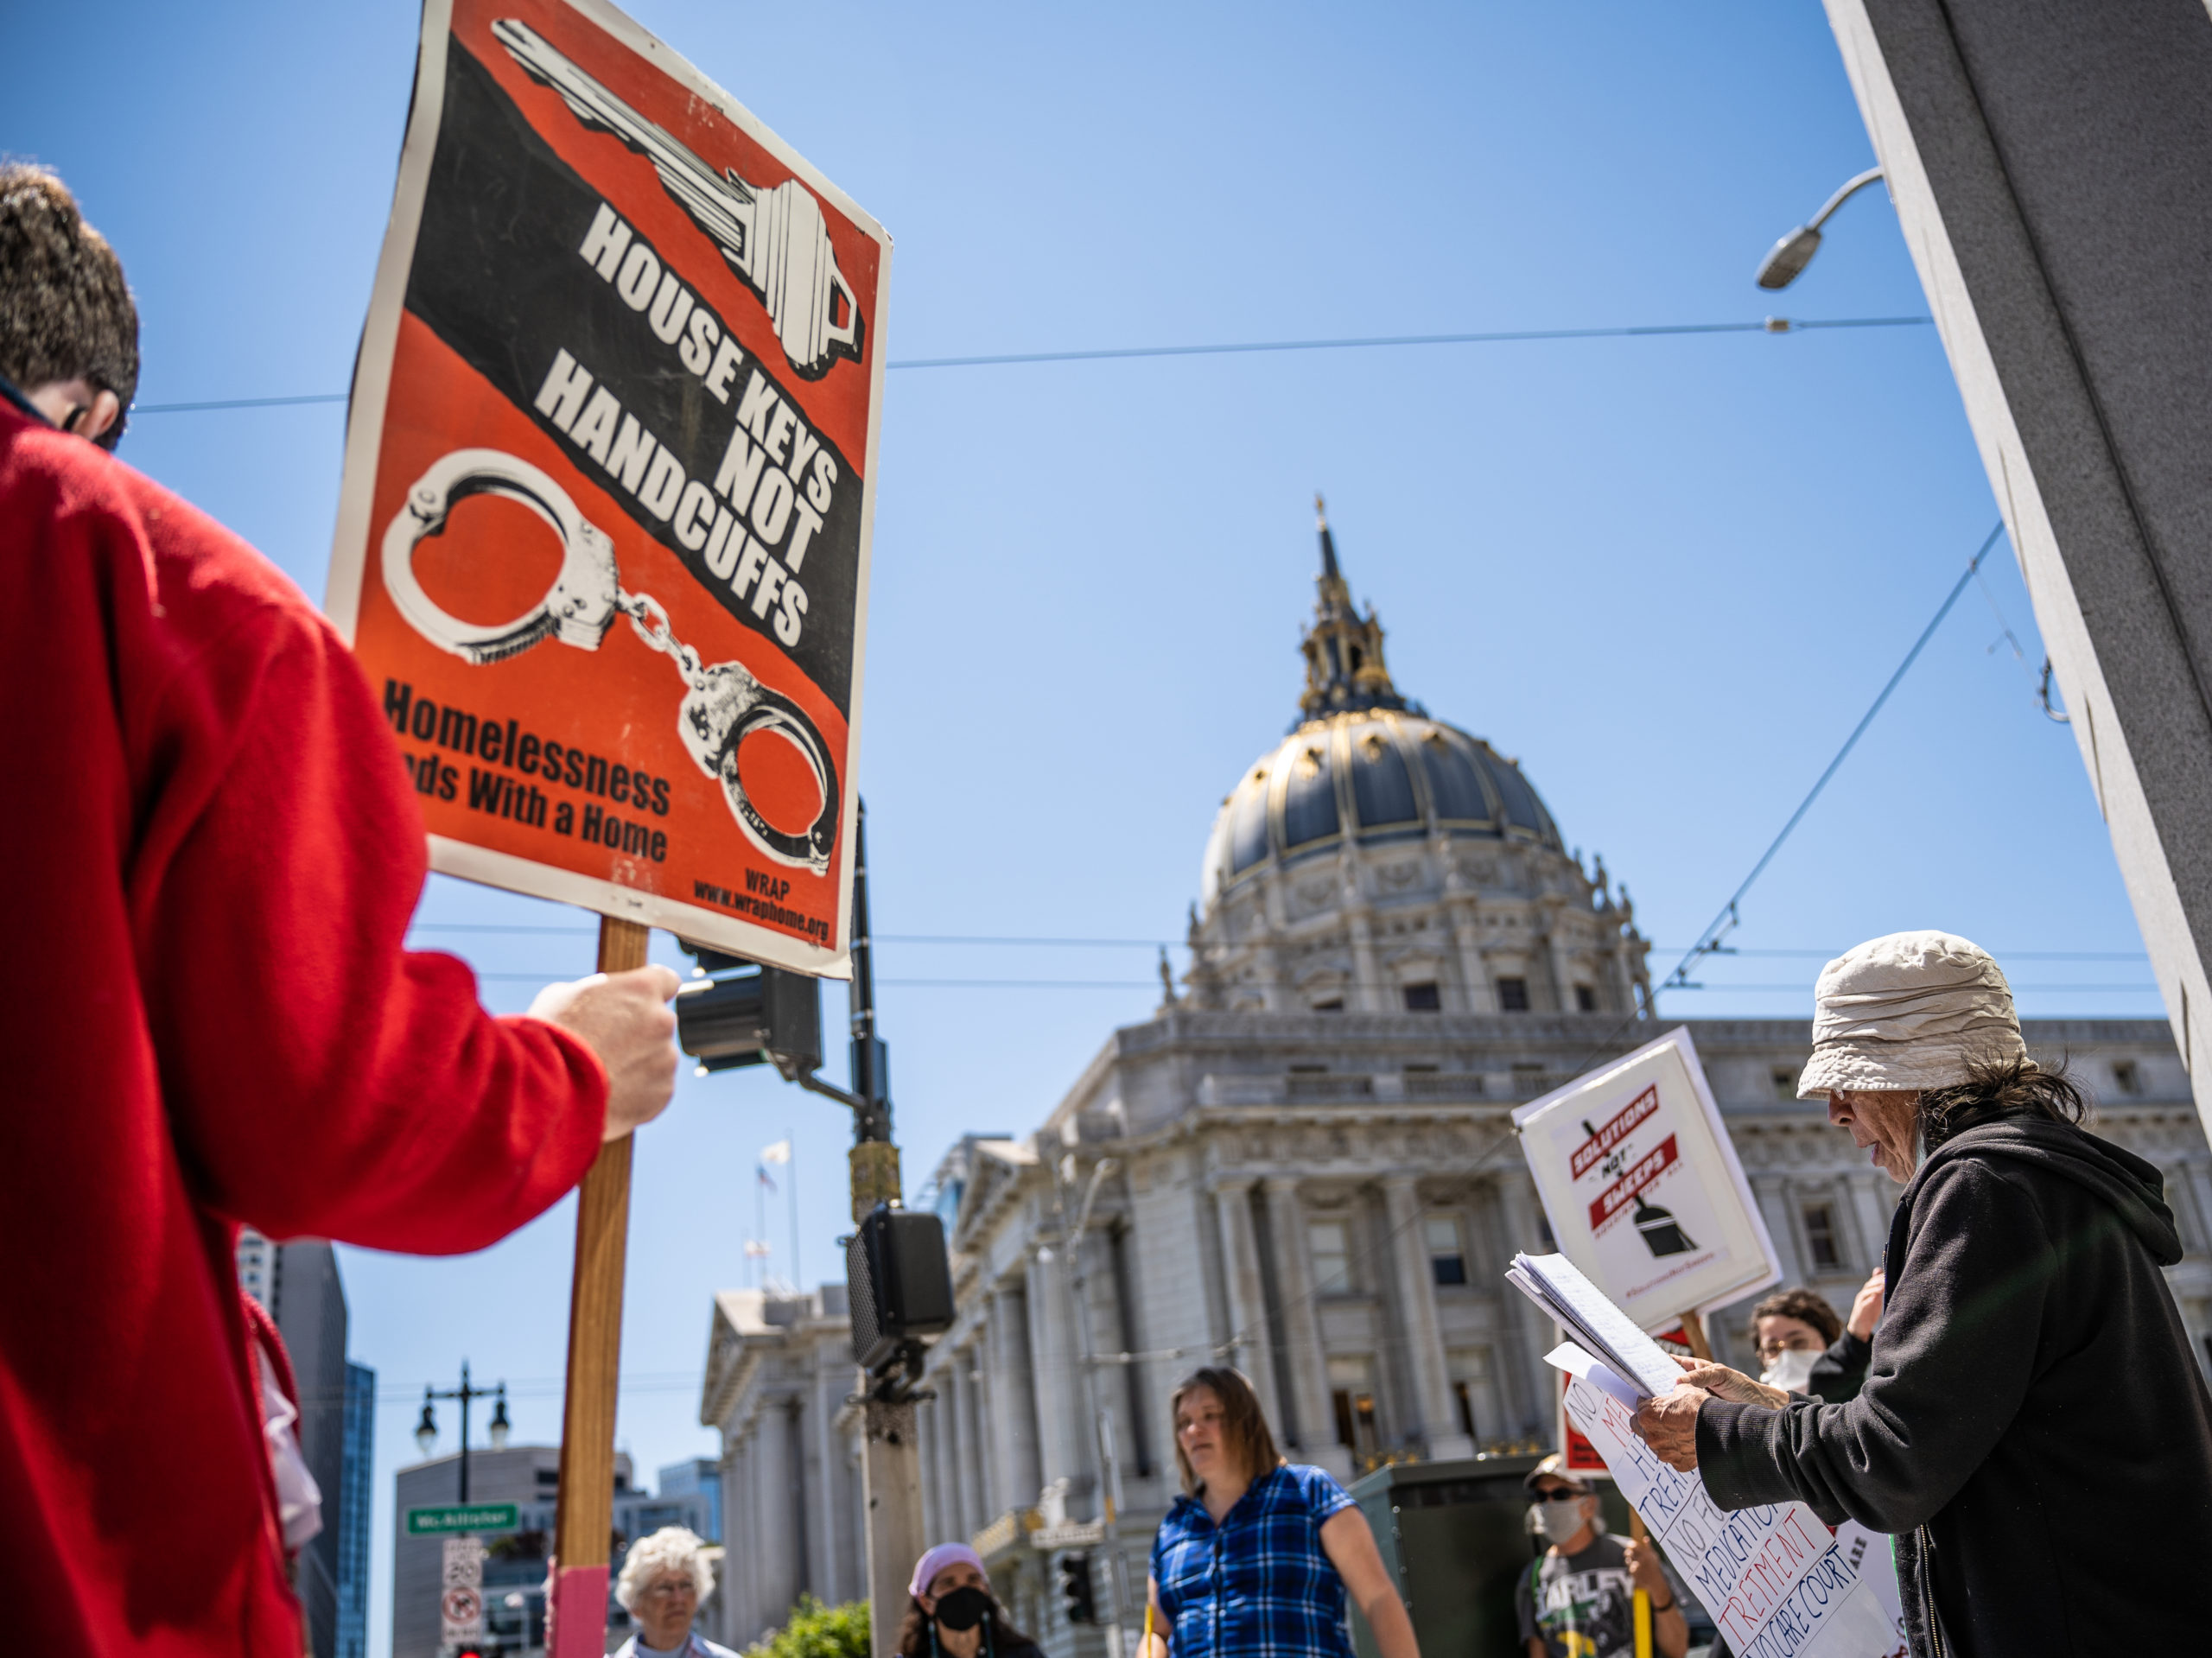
point(1772, 1577)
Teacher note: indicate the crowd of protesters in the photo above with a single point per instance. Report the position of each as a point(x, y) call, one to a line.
point(229, 856)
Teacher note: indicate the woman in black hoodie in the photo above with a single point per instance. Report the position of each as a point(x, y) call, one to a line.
point(2033, 1426)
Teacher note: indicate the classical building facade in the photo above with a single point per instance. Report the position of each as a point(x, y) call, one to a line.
point(1304, 1164)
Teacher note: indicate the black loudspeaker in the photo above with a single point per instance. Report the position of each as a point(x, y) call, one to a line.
point(754, 1015)
point(899, 1282)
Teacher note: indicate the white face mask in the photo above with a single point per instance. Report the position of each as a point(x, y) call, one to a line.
point(1792, 1369)
point(1560, 1517)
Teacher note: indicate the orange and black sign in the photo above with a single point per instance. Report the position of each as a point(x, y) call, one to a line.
point(603, 540)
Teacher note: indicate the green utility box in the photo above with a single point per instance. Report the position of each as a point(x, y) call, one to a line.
point(1455, 1536)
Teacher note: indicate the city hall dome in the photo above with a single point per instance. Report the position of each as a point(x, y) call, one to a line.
point(1379, 859)
point(1362, 761)
point(1378, 775)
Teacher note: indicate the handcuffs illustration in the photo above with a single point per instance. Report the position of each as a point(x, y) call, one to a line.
point(723, 705)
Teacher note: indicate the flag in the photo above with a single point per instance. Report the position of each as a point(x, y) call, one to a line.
point(779, 1152)
point(755, 1249)
point(766, 1179)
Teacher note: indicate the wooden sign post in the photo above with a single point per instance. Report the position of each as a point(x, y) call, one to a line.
point(584, 1521)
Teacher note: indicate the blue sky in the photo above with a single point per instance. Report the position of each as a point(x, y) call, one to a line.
point(1668, 573)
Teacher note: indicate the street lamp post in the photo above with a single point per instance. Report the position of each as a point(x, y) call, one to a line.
point(1786, 260)
point(426, 1431)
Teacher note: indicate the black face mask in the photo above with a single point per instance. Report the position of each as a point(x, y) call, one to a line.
point(963, 1609)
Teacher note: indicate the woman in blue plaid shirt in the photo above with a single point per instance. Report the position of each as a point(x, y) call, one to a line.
point(1257, 1557)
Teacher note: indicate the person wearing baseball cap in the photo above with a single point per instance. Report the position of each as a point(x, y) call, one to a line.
point(952, 1612)
point(2034, 1428)
point(1576, 1600)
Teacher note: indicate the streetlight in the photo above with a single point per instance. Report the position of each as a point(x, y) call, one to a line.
point(1788, 257)
point(426, 1431)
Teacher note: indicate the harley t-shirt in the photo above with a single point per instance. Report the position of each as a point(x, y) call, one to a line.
point(1581, 1604)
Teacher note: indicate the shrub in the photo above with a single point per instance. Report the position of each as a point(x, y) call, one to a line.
point(817, 1631)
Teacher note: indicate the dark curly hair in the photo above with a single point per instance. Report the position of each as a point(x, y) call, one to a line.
point(65, 312)
point(1809, 1307)
point(2007, 1087)
point(913, 1640)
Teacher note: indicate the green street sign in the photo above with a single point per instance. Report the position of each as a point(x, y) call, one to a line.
point(470, 1516)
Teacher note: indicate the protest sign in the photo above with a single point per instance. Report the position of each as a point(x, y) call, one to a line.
point(1773, 1579)
point(1642, 1187)
point(1580, 1456)
point(603, 537)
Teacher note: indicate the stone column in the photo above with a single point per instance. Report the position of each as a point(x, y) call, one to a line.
point(929, 1419)
point(1370, 994)
point(1873, 1214)
point(1309, 1366)
point(1529, 1334)
point(973, 1498)
point(737, 1564)
point(1424, 1348)
point(1014, 1399)
point(1466, 933)
point(1248, 1306)
point(1061, 1448)
point(772, 1544)
point(1771, 1193)
point(832, 1382)
point(2200, 1184)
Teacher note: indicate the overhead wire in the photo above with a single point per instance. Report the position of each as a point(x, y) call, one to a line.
point(1726, 921)
point(1235, 348)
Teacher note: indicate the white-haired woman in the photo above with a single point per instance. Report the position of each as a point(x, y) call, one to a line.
point(665, 1577)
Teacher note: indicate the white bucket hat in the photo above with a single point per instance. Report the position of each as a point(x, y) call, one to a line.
point(1912, 1010)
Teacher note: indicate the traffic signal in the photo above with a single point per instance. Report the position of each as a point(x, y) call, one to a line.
point(739, 1013)
point(1075, 1589)
point(898, 1281)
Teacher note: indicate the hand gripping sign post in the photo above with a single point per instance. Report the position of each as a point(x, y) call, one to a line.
point(603, 535)
point(1640, 1183)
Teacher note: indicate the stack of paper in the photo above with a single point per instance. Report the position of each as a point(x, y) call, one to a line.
point(1554, 1284)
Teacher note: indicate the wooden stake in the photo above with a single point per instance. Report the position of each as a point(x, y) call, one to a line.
point(585, 1520)
point(1694, 1327)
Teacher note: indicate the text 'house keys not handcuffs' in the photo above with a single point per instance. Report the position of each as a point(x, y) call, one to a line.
point(723, 705)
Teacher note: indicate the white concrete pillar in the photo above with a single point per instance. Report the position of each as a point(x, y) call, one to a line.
point(1057, 1394)
point(1527, 1334)
point(1424, 1334)
point(1015, 1398)
point(1370, 994)
point(1872, 1207)
point(1248, 1307)
point(974, 1500)
point(1309, 1366)
point(775, 1548)
point(833, 1379)
point(1466, 934)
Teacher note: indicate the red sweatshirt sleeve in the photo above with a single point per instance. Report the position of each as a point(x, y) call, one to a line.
point(320, 1079)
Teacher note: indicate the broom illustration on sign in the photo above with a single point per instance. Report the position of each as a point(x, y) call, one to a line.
point(775, 238)
point(1660, 1232)
point(1659, 1229)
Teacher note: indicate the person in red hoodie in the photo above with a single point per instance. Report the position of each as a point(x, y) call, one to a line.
point(206, 1010)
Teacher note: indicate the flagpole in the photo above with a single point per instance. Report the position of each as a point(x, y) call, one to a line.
point(790, 1175)
point(760, 1222)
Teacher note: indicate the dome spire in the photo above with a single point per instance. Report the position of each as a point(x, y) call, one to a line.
point(1344, 670)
